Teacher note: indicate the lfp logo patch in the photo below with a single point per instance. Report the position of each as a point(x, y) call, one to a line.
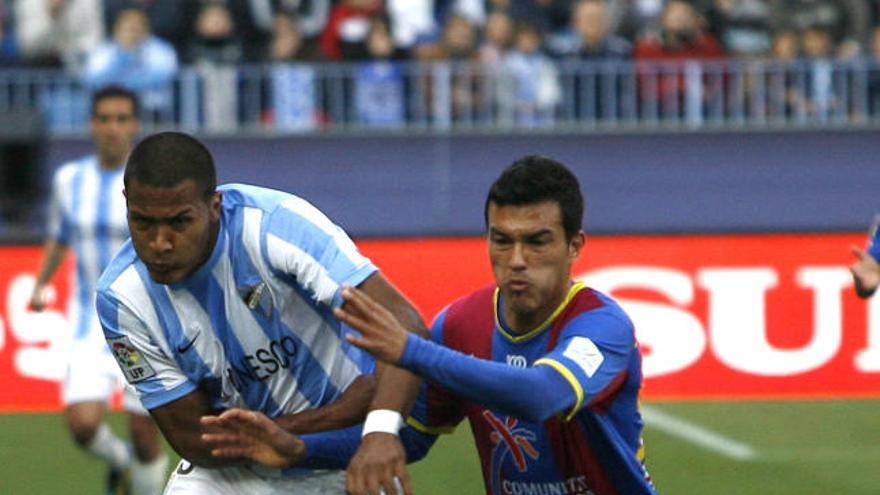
point(133, 365)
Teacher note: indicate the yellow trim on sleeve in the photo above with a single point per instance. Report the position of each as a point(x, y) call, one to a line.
point(430, 430)
point(572, 291)
point(569, 376)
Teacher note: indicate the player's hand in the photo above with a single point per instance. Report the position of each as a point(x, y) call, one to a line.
point(381, 334)
point(866, 272)
point(379, 466)
point(238, 433)
point(38, 299)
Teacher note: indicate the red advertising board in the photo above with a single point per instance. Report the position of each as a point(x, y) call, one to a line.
point(733, 316)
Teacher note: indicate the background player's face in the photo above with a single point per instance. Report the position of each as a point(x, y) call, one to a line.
point(114, 126)
point(531, 259)
point(173, 229)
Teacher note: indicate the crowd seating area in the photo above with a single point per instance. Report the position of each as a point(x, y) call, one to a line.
point(282, 66)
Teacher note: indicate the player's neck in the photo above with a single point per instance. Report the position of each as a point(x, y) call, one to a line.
point(111, 162)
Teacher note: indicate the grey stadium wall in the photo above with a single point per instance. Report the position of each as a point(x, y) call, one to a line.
point(677, 182)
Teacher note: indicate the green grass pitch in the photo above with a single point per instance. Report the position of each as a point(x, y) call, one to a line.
point(797, 447)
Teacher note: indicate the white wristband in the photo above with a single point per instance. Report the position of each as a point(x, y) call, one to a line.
point(384, 421)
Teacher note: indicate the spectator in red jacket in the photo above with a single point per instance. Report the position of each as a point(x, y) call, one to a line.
point(681, 37)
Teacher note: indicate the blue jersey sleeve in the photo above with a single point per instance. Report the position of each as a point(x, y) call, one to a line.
point(593, 353)
point(302, 243)
point(334, 449)
point(487, 382)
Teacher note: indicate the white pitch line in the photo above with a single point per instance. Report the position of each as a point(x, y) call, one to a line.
point(697, 435)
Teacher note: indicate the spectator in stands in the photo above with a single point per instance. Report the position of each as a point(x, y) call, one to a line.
point(170, 20)
point(345, 36)
point(311, 16)
point(8, 45)
point(58, 32)
point(533, 79)
point(378, 80)
point(681, 37)
point(742, 26)
point(549, 16)
point(847, 21)
point(817, 47)
point(589, 36)
point(288, 42)
point(457, 42)
point(136, 59)
point(215, 39)
point(498, 37)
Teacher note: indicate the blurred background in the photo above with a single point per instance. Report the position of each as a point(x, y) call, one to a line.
point(727, 150)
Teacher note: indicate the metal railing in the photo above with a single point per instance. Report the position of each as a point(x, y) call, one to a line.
point(448, 96)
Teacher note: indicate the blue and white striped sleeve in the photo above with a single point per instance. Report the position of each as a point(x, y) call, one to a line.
point(146, 366)
point(304, 244)
point(58, 225)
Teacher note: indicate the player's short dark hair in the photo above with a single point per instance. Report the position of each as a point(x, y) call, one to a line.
point(535, 179)
point(168, 158)
point(115, 91)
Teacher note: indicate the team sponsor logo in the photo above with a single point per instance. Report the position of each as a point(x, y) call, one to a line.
point(576, 485)
point(133, 365)
point(263, 363)
point(511, 441)
point(257, 298)
point(585, 354)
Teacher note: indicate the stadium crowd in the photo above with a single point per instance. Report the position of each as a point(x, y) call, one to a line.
point(94, 35)
point(547, 50)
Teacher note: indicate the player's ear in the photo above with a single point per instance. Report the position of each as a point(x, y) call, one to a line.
point(216, 202)
point(576, 244)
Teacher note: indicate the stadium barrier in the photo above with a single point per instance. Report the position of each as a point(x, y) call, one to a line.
point(726, 316)
point(456, 96)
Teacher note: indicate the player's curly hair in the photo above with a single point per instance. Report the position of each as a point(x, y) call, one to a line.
point(168, 158)
point(535, 179)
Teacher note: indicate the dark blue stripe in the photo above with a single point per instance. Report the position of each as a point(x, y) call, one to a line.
point(83, 295)
point(102, 221)
point(192, 365)
point(304, 364)
point(210, 296)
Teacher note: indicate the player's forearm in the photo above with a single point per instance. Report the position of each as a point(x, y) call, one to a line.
point(179, 422)
point(348, 410)
point(53, 253)
point(533, 394)
point(334, 449)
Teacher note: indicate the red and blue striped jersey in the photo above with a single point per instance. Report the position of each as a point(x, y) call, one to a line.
point(590, 442)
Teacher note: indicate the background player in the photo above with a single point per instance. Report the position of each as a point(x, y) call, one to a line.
point(866, 270)
point(546, 370)
point(224, 297)
point(87, 214)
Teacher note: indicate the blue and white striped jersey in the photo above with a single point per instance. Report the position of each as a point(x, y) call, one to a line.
point(253, 327)
point(87, 213)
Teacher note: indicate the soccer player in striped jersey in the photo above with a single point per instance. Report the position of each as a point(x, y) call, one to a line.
point(546, 369)
point(224, 298)
point(86, 214)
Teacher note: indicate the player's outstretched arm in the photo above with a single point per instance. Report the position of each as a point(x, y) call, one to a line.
point(382, 335)
point(241, 433)
point(53, 253)
point(866, 273)
point(380, 462)
point(349, 410)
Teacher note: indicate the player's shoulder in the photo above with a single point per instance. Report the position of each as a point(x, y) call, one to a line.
point(125, 260)
point(250, 196)
point(478, 306)
point(67, 170)
point(590, 307)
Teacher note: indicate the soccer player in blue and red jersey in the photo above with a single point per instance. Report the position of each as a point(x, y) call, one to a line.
point(546, 370)
point(866, 270)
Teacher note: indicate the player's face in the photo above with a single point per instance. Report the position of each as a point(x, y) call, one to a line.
point(173, 229)
point(114, 127)
point(531, 259)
